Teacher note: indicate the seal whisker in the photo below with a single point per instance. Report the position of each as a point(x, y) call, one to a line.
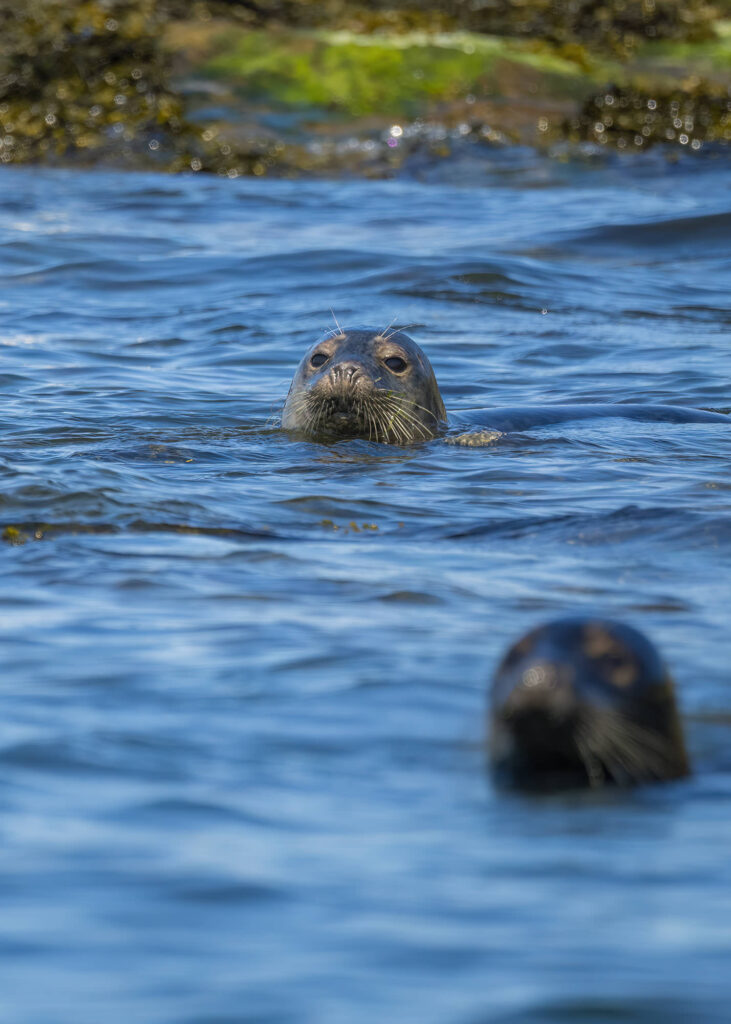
point(321, 412)
point(373, 407)
point(415, 422)
point(397, 330)
point(390, 417)
point(368, 413)
point(395, 426)
point(403, 416)
point(312, 417)
point(623, 736)
point(414, 405)
point(375, 415)
point(302, 411)
point(403, 422)
point(382, 334)
point(340, 329)
point(645, 746)
point(641, 753)
point(600, 752)
point(383, 428)
point(400, 422)
point(407, 406)
point(595, 771)
point(612, 755)
point(302, 406)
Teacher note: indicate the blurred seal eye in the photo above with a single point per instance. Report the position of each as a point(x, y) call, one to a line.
point(395, 363)
point(619, 669)
point(610, 661)
point(318, 359)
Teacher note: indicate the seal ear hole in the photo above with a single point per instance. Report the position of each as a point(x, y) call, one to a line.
point(318, 359)
point(396, 364)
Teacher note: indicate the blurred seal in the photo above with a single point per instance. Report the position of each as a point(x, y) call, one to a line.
point(364, 383)
point(584, 702)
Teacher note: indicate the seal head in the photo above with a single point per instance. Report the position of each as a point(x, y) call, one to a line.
point(367, 384)
point(584, 702)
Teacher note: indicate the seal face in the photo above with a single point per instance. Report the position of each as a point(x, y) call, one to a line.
point(366, 384)
point(584, 702)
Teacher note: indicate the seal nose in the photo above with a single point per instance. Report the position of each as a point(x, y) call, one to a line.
point(542, 689)
point(347, 370)
point(344, 374)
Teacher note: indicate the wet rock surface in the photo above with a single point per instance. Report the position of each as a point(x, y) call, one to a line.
point(626, 118)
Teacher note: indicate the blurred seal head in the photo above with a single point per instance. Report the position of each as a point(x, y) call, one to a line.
point(584, 702)
point(362, 383)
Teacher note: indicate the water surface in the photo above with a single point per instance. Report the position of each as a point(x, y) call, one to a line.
point(243, 676)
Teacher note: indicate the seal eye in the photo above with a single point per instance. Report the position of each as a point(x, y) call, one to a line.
point(318, 359)
point(619, 669)
point(395, 363)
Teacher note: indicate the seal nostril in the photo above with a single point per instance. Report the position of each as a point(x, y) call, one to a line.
point(346, 372)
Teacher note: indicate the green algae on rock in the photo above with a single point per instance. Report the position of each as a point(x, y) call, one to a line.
point(374, 74)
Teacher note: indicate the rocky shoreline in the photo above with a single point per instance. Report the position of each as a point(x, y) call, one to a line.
point(238, 89)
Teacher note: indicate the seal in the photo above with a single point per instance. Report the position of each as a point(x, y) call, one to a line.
point(379, 385)
point(365, 383)
point(584, 702)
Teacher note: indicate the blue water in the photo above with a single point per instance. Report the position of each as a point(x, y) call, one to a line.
point(242, 772)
